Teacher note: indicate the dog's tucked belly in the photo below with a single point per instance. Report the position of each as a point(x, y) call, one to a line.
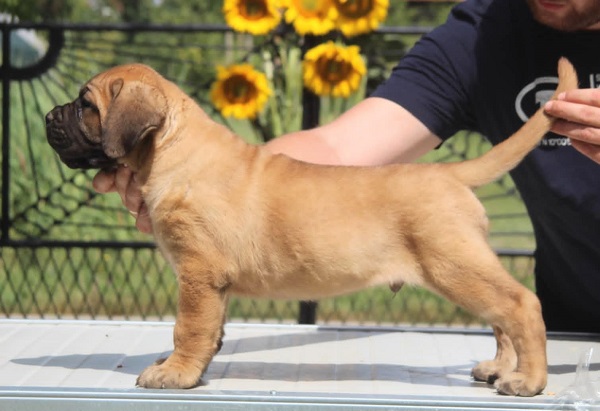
point(310, 285)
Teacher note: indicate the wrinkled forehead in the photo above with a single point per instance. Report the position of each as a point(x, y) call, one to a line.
point(126, 73)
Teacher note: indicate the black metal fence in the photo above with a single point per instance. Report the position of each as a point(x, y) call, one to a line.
point(68, 252)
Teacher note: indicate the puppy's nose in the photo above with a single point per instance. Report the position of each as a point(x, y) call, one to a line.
point(54, 115)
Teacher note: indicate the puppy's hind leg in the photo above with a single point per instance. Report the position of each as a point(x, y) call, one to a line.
point(476, 280)
point(504, 363)
point(523, 324)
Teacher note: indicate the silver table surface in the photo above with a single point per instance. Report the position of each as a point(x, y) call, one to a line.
point(81, 365)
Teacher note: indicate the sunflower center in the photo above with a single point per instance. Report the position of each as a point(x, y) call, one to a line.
point(238, 90)
point(333, 70)
point(254, 9)
point(354, 9)
point(308, 8)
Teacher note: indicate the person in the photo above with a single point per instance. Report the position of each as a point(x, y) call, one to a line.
point(487, 69)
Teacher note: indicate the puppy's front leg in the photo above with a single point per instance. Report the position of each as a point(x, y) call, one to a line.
point(197, 336)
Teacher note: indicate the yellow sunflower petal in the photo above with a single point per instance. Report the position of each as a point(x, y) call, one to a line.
point(331, 69)
point(257, 17)
point(240, 91)
point(310, 16)
point(360, 16)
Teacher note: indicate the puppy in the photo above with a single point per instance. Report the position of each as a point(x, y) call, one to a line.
point(232, 218)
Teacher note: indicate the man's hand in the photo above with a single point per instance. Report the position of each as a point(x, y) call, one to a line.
point(578, 117)
point(123, 181)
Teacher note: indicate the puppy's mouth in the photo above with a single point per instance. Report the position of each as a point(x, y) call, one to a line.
point(75, 149)
point(87, 163)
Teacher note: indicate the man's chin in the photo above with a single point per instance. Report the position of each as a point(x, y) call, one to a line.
point(561, 16)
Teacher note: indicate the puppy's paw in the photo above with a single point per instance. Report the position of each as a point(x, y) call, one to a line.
point(169, 374)
point(490, 371)
point(519, 384)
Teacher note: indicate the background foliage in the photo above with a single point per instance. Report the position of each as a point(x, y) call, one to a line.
point(401, 13)
point(132, 282)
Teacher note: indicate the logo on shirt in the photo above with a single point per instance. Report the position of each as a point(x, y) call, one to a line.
point(533, 96)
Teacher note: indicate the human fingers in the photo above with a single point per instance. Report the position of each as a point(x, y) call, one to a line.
point(587, 96)
point(128, 189)
point(592, 151)
point(577, 131)
point(584, 139)
point(577, 106)
point(123, 177)
point(104, 181)
point(578, 117)
point(142, 221)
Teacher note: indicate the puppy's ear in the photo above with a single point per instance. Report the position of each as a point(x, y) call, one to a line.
point(136, 109)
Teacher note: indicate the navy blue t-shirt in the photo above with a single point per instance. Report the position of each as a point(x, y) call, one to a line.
point(487, 69)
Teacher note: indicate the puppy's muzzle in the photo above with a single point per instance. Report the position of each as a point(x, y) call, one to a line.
point(73, 144)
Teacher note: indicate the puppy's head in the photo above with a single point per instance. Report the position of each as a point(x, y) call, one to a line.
point(115, 111)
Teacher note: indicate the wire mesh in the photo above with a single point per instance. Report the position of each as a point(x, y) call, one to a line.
point(69, 252)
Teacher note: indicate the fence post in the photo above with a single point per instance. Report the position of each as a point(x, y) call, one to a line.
point(310, 119)
point(6, 77)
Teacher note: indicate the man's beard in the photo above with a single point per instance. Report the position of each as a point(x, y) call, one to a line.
point(574, 21)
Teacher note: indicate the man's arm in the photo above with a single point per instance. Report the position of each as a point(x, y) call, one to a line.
point(374, 132)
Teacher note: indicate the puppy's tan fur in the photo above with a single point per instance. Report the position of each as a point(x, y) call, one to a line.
point(233, 218)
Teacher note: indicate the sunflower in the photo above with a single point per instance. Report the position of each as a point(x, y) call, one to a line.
point(332, 69)
point(240, 91)
point(310, 16)
point(252, 16)
point(360, 16)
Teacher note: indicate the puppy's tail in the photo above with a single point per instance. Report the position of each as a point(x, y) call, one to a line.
point(506, 155)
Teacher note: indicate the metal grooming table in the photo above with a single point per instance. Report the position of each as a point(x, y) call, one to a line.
point(93, 365)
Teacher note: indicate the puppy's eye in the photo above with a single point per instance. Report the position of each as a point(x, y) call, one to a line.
point(84, 100)
point(86, 103)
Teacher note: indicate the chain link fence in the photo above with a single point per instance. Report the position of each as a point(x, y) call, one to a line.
point(67, 252)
